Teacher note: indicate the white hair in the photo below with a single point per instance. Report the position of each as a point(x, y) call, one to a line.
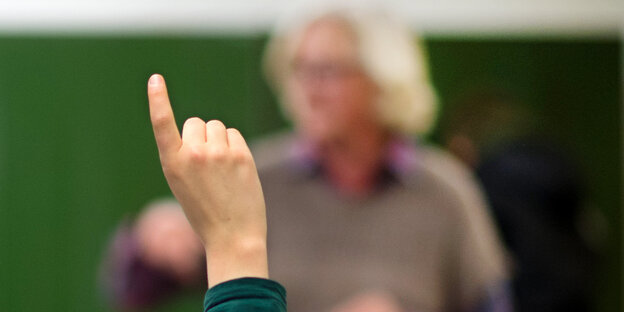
point(390, 54)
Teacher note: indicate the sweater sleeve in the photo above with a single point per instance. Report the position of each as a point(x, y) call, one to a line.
point(246, 294)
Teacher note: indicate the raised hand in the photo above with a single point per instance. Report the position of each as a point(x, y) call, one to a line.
point(211, 172)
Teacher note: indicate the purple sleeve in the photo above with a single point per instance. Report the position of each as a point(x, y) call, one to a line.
point(128, 282)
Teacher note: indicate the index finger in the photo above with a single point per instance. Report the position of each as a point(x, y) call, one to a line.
point(161, 115)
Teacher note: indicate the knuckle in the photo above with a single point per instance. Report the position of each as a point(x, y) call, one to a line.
point(158, 120)
point(193, 120)
point(196, 154)
point(240, 156)
point(215, 123)
point(233, 131)
point(218, 154)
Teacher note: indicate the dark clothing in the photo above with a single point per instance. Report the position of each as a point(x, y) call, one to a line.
point(246, 294)
point(535, 193)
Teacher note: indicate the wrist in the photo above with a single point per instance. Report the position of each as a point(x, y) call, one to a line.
point(242, 257)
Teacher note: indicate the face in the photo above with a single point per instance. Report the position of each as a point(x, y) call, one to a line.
point(331, 96)
point(169, 243)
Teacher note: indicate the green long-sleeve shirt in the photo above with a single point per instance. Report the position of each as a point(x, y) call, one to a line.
point(246, 294)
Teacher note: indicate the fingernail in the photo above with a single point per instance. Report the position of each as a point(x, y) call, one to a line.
point(155, 79)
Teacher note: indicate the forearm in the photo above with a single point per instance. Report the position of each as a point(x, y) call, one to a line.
point(242, 258)
point(211, 172)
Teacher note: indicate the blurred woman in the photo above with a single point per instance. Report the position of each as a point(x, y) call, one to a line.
point(360, 216)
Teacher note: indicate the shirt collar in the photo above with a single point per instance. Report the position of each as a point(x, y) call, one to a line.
point(401, 157)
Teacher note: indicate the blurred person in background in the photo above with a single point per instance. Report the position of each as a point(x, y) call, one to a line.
point(535, 191)
point(157, 255)
point(360, 217)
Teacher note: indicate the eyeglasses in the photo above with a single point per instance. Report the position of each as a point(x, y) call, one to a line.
point(324, 71)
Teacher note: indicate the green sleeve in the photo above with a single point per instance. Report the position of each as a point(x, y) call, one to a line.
point(246, 294)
